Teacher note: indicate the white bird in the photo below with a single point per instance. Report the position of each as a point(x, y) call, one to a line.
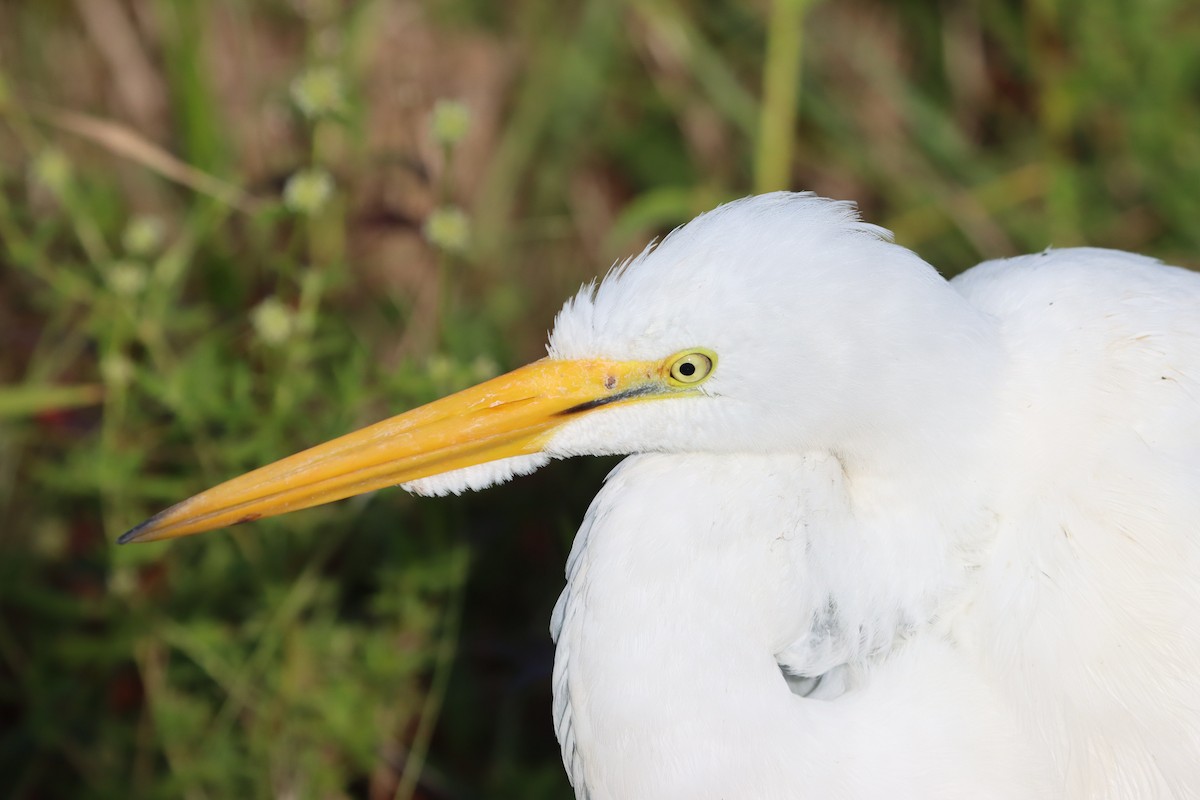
point(880, 535)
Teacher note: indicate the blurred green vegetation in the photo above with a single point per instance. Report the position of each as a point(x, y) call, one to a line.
point(232, 229)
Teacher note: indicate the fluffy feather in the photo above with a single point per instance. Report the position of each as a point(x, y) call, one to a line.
point(965, 511)
point(480, 476)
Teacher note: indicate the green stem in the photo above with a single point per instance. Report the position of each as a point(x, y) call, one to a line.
point(432, 707)
point(781, 90)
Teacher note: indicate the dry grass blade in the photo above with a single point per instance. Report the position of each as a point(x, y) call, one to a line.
point(32, 399)
point(122, 141)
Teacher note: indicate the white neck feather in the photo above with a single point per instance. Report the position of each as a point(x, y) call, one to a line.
point(667, 674)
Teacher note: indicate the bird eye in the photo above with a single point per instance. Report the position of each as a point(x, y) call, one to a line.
point(691, 368)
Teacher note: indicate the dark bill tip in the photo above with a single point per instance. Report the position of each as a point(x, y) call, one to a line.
point(151, 529)
point(135, 533)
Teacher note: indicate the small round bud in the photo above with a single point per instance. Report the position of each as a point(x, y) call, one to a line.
point(143, 236)
point(52, 170)
point(448, 229)
point(116, 370)
point(126, 278)
point(273, 322)
point(450, 122)
point(307, 191)
point(484, 367)
point(318, 92)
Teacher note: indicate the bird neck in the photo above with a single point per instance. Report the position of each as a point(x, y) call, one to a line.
point(693, 578)
point(667, 627)
point(923, 410)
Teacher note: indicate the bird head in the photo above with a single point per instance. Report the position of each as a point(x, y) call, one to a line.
point(759, 326)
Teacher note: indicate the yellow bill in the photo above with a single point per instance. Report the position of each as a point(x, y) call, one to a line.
point(511, 415)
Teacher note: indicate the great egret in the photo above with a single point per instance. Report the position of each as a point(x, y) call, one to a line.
point(880, 536)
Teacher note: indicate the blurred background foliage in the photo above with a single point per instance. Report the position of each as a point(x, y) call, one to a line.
point(231, 229)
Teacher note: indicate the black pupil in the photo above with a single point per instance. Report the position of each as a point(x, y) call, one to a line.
point(687, 369)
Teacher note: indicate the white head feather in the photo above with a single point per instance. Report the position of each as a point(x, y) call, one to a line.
point(811, 313)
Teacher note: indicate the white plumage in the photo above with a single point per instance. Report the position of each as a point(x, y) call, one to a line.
point(880, 536)
point(969, 508)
